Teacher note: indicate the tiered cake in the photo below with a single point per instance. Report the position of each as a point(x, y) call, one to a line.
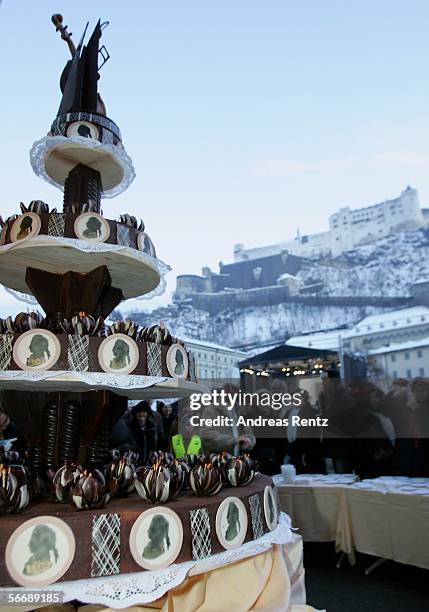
point(66, 375)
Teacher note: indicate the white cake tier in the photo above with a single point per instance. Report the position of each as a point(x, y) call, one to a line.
point(135, 272)
point(53, 157)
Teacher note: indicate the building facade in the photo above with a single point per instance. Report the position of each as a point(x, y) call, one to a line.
point(382, 330)
point(401, 360)
point(215, 361)
point(350, 228)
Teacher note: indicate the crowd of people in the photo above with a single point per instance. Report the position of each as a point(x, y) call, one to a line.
point(368, 431)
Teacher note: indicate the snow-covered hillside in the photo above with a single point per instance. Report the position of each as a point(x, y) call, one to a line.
point(250, 328)
point(386, 268)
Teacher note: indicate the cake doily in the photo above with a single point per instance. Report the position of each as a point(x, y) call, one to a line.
point(42, 147)
point(122, 591)
point(99, 379)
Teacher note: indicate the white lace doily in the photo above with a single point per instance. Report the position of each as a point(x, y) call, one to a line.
point(124, 382)
point(42, 147)
point(126, 590)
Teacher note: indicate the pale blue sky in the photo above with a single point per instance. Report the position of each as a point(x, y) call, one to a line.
point(244, 119)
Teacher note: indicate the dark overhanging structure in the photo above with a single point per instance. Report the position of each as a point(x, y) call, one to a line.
point(288, 361)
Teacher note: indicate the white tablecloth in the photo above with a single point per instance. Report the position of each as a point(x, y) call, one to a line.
point(386, 517)
point(390, 519)
point(318, 508)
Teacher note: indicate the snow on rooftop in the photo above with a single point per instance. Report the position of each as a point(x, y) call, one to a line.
point(392, 320)
point(404, 317)
point(320, 340)
point(400, 346)
point(259, 252)
point(422, 281)
point(212, 345)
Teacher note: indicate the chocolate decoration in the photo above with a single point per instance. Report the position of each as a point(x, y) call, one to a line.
point(74, 292)
point(69, 224)
point(239, 472)
point(129, 510)
point(69, 440)
point(205, 479)
point(141, 368)
point(99, 450)
point(49, 436)
point(14, 496)
point(89, 490)
point(82, 186)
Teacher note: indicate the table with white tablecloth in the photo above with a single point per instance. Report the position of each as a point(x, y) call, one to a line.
point(317, 507)
point(389, 518)
point(385, 517)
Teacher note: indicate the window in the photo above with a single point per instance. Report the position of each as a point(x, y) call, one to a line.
point(420, 354)
point(392, 358)
point(407, 356)
point(408, 373)
point(395, 374)
point(421, 371)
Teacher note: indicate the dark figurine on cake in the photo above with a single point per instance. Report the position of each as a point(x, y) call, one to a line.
point(82, 120)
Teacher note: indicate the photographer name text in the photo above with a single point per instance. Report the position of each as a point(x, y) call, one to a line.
point(259, 421)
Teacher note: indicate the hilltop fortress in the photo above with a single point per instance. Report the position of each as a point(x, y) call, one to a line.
point(349, 229)
point(372, 260)
point(277, 266)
